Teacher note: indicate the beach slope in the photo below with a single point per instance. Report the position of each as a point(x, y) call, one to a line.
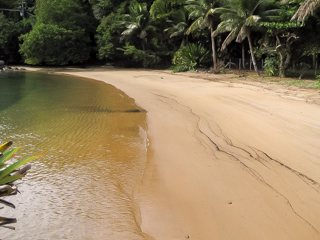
point(227, 159)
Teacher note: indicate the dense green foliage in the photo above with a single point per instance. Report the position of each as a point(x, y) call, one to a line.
point(59, 35)
point(190, 57)
point(271, 66)
point(54, 45)
point(10, 30)
point(147, 33)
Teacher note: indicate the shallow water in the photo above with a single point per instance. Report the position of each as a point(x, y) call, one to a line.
point(94, 140)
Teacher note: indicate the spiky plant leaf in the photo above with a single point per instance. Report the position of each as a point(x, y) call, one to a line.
point(7, 190)
point(17, 164)
point(9, 204)
point(8, 154)
point(5, 146)
point(9, 227)
point(11, 178)
point(4, 220)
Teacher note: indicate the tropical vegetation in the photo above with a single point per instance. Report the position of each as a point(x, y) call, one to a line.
point(9, 174)
point(278, 36)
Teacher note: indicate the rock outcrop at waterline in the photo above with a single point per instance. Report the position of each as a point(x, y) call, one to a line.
point(3, 67)
point(1, 64)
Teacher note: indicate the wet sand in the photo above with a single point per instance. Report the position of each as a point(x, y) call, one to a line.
point(228, 158)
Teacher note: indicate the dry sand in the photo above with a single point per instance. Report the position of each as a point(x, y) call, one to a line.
point(228, 159)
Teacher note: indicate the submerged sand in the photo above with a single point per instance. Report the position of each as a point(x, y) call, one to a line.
point(228, 158)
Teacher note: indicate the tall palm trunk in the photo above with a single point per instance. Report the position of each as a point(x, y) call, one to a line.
point(243, 56)
point(213, 45)
point(252, 55)
point(144, 53)
point(281, 68)
point(143, 44)
point(184, 41)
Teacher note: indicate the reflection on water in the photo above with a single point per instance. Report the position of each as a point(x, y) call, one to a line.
point(93, 138)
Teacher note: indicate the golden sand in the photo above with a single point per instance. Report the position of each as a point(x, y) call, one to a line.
point(228, 158)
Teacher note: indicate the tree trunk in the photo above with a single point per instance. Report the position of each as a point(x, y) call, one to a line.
point(243, 57)
point(288, 60)
point(214, 53)
point(143, 45)
point(315, 65)
point(144, 54)
point(281, 66)
point(281, 58)
point(252, 55)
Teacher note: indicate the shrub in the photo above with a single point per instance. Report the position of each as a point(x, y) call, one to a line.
point(147, 58)
point(53, 45)
point(190, 57)
point(271, 66)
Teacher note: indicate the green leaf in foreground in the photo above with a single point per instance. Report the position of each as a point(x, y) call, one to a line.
point(8, 154)
point(4, 220)
point(17, 164)
point(12, 178)
point(9, 173)
point(5, 146)
point(7, 203)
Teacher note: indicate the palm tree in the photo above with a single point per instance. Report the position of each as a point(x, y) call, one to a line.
point(307, 8)
point(240, 18)
point(179, 26)
point(203, 13)
point(138, 22)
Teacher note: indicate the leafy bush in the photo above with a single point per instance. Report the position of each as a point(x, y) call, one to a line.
point(104, 39)
point(271, 66)
point(9, 174)
point(190, 57)
point(147, 58)
point(54, 45)
point(107, 37)
point(9, 44)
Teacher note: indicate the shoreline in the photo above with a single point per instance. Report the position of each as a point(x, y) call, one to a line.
point(227, 159)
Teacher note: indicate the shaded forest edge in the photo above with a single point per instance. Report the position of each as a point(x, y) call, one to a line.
point(278, 37)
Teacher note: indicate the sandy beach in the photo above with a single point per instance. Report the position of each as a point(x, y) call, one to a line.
point(228, 158)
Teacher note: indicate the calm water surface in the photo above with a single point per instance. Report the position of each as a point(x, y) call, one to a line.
point(94, 144)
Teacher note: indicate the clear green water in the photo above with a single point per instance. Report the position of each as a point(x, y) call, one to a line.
point(94, 143)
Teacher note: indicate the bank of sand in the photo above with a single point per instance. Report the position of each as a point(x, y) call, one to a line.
point(228, 159)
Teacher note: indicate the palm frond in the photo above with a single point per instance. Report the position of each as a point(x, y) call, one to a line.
point(243, 33)
point(224, 10)
point(258, 4)
point(195, 25)
point(231, 36)
point(130, 29)
point(230, 15)
point(194, 14)
point(270, 14)
point(225, 26)
point(252, 21)
point(307, 8)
